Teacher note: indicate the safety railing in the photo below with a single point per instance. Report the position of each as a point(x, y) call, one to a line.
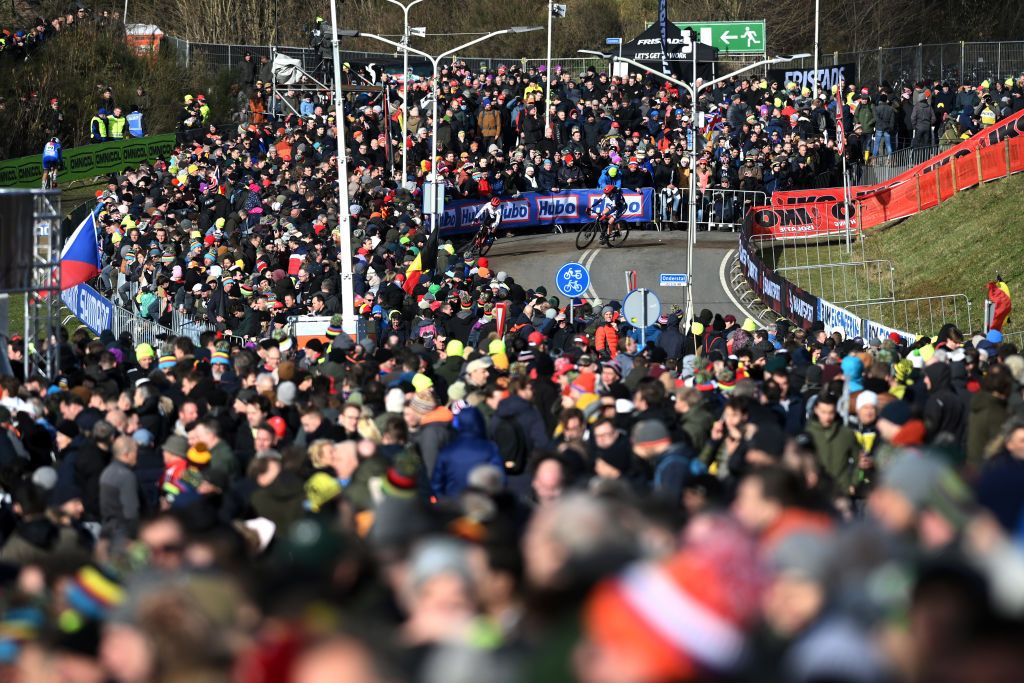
point(717, 208)
point(846, 283)
point(884, 168)
point(925, 314)
point(140, 329)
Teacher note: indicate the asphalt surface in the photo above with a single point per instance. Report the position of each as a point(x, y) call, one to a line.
point(534, 260)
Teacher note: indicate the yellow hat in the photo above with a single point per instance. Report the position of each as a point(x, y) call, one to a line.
point(495, 347)
point(188, 98)
point(199, 455)
point(219, 222)
point(455, 348)
point(421, 382)
point(749, 325)
point(696, 327)
point(116, 237)
point(144, 351)
point(806, 92)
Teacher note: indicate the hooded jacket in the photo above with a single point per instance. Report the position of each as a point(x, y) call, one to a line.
point(469, 448)
point(945, 412)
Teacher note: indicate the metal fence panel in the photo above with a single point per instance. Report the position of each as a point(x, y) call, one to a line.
point(717, 209)
point(846, 283)
point(923, 315)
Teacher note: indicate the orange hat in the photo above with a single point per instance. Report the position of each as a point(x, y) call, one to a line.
point(686, 616)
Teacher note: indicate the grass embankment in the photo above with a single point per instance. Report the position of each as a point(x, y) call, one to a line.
point(955, 248)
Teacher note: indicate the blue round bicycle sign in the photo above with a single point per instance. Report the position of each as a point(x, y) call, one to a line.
point(572, 280)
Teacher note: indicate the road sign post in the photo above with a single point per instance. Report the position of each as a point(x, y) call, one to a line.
point(730, 36)
point(572, 280)
point(639, 307)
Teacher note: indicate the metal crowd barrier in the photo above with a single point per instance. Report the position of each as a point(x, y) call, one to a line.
point(717, 208)
point(884, 168)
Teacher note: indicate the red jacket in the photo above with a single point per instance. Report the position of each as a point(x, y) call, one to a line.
point(607, 337)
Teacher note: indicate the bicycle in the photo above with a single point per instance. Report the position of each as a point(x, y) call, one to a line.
point(592, 229)
point(481, 243)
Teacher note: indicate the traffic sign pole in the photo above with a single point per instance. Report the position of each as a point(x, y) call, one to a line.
point(643, 330)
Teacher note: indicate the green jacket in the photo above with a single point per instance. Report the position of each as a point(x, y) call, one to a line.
point(984, 422)
point(865, 116)
point(838, 452)
point(697, 422)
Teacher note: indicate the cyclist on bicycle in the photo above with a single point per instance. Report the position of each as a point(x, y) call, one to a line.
point(609, 209)
point(489, 216)
point(53, 158)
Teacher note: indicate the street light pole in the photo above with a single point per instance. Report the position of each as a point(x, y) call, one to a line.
point(694, 92)
point(547, 73)
point(348, 307)
point(817, 4)
point(434, 61)
point(405, 86)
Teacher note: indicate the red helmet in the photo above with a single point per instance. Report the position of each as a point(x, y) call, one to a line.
point(608, 189)
point(495, 201)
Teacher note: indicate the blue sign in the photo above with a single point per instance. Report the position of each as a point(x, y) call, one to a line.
point(613, 41)
point(89, 306)
point(674, 280)
point(534, 209)
point(572, 280)
point(838, 319)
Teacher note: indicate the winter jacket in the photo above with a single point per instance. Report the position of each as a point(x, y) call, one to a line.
point(885, 118)
point(489, 123)
point(433, 434)
point(838, 453)
point(120, 505)
point(606, 338)
point(281, 501)
point(528, 417)
point(987, 415)
point(945, 412)
point(469, 448)
point(922, 118)
point(40, 541)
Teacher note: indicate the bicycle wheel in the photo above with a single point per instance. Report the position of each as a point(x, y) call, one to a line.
point(587, 234)
point(619, 235)
point(484, 247)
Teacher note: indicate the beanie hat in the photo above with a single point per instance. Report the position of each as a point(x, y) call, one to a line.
point(144, 351)
point(167, 362)
point(68, 428)
point(199, 455)
point(93, 592)
point(220, 358)
point(455, 348)
point(176, 445)
point(650, 432)
point(685, 617)
point(421, 382)
point(422, 402)
point(400, 480)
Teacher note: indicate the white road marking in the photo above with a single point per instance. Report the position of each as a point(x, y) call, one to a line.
point(727, 289)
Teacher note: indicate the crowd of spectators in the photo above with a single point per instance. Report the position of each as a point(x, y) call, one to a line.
point(19, 44)
point(458, 491)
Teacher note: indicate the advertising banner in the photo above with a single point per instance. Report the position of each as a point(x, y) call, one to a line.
point(534, 209)
point(772, 290)
point(801, 306)
point(88, 161)
point(89, 306)
point(839, 319)
point(804, 78)
point(803, 220)
point(873, 330)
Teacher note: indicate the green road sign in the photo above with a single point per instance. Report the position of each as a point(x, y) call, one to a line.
point(729, 36)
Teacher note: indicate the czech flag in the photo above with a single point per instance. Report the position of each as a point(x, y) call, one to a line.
point(80, 259)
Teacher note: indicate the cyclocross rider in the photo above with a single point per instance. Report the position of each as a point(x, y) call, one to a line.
point(489, 216)
point(52, 157)
point(611, 206)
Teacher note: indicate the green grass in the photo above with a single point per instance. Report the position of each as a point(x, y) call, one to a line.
point(955, 248)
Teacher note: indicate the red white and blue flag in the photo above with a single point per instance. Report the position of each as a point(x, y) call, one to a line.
point(80, 259)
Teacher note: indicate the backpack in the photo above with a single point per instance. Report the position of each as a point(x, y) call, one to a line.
point(512, 444)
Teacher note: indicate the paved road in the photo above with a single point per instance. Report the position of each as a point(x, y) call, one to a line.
point(534, 259)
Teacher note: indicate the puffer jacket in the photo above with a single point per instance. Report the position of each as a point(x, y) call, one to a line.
point(469, 448)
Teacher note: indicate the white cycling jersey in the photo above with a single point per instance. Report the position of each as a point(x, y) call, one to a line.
point(489, 215)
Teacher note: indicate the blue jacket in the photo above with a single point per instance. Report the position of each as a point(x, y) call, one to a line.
point(607, 179)
point(528, 417)
point(470, 448)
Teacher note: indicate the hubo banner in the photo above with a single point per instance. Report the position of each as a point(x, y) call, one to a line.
point(534, 209)
point(804, 78)
point(89, 161)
